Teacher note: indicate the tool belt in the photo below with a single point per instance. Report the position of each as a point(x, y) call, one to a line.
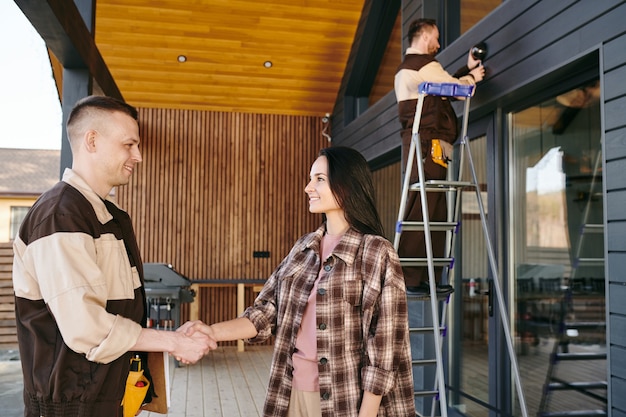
point(136, 388)
point(436, 153)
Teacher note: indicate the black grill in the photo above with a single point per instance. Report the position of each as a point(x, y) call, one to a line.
point(166, 289)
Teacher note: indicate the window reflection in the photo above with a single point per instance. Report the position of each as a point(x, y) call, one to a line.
point(557, 236)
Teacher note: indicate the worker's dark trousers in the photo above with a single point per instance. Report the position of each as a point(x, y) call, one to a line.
point(412, 244)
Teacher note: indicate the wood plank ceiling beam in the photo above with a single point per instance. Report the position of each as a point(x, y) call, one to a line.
point(64, 31)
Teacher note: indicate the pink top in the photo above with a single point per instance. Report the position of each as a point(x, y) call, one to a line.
point(305, 373)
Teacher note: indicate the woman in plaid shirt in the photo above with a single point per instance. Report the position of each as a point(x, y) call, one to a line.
point(336, 306)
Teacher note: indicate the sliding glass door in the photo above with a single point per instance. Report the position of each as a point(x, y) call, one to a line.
point(556, 258)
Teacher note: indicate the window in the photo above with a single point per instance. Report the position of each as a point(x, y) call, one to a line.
point(558, 240)
point(17, 216)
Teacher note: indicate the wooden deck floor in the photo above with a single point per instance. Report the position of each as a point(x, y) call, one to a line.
point(225, 383)
point(233, 384)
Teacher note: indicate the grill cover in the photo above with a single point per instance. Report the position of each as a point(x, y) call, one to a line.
point(161, 278)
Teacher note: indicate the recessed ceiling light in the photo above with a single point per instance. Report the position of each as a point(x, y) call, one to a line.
point(182, 58)
point(268, 64)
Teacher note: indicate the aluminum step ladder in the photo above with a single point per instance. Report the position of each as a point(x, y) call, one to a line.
point(575, 331)
point(452, 187)
point(573, 328)
point(587, 228)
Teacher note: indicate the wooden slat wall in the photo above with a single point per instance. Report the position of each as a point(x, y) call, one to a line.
point(214, 187)
point(8, 337)
point(387, 183)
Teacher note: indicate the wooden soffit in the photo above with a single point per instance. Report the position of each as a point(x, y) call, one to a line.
point(226, 43)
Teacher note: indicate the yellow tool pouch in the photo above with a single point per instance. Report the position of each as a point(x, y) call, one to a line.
point(136, 388)
point(436, 153)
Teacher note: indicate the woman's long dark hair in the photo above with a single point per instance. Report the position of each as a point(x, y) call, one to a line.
point(350, 180)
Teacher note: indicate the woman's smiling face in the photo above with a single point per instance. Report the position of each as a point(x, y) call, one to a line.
point(321, 197)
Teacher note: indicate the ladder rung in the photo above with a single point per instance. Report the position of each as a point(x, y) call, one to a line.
point(406, 226)
point(424, 261)
point(585, 324)
point(418, 297)
point(441, 185)
point(589, 262)
point(425, 329)
point(562, 386)
point(423, 362)
point(593, 228)
point(580, 356)
point(420, 329)
point(577, 413)
point(425, 393)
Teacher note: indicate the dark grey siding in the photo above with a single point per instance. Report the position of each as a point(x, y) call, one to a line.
point(533, 45)
point(614, 69)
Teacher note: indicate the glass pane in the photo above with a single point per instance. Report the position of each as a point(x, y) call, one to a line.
point(472, 354)
point(17, 216)
point(557, 239)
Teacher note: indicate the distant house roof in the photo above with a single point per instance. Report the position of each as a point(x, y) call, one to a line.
point(28, 171)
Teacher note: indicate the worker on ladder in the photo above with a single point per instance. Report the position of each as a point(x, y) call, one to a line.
point(438, 130)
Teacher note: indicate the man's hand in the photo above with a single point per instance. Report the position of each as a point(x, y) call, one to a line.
point(472, 62)
point(476, 67)
point(192, 345)
point(478, 73)
point(186, 348)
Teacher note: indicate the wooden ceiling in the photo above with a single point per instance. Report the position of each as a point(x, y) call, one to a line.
point(226, 43)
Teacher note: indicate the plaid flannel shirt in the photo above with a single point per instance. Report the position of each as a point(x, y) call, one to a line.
point(361, 320)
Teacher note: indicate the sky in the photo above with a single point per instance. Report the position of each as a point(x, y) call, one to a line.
point(30, 110)
point(547, 175)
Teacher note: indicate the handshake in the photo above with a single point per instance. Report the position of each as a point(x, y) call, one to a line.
point(193, 340)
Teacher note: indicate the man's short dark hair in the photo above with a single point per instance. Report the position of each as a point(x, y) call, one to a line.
point(101, 103)
point(90, 106)
point(417, 27)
